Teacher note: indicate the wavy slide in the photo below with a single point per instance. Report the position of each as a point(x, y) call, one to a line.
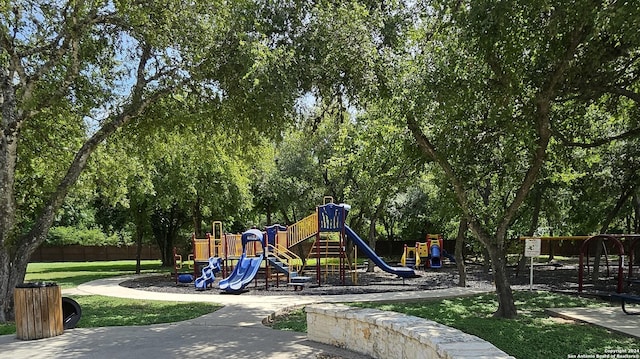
point(403, 272)
point(242, 274)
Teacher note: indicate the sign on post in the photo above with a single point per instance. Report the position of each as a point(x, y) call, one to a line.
point(532, 249)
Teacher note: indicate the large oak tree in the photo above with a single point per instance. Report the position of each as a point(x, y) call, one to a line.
point(88, 69)
point(483, 88)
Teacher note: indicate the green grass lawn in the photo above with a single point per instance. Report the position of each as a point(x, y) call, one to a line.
point(71, 274)
point(532, 335)
point(100, 311)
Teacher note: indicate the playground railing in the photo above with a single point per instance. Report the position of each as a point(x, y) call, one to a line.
point(233, 245)
point(216, 248)
point(201, 249)
point(302, 230)
point(293, 260)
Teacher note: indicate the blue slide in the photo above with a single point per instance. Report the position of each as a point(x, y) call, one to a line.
point(208, 274)
point(242, 274)
point(403, 272)
point(434, 258)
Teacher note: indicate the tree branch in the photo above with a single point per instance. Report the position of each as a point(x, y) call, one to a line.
point(599, 142)
point(429, 149)
point(136, 107)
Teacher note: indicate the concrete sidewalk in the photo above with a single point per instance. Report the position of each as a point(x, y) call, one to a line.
point(611, 318)
point(235, 331)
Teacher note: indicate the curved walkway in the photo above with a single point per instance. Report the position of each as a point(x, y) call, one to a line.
point(235, 331)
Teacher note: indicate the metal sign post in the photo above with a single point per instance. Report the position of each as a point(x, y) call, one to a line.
point(532, 249)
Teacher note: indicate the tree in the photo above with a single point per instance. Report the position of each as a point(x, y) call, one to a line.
point(481, 89)
point(100, 65)
point(60, 60)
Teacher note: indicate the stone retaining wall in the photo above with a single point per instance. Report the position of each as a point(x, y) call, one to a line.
point(390, 335)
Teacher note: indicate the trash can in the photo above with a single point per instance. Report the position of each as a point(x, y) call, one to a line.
point(38, 310)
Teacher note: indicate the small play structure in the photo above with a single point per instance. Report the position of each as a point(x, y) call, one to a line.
point(430, 253)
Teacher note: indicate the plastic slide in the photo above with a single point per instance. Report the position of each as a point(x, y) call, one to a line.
point(403, 272)
point(208, 274)
point(242, 274)
point(434, 258)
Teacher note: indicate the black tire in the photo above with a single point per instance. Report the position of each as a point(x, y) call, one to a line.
point(71, 312)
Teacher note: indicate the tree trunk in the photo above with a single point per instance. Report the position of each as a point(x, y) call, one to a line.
point(535, 219)
point(139, 236)
point(372, 230)
point(269, 215)
point(197, 218)
point(15, 267)
point(636, 211)
point(506, 303)
point(486, 260)
point(462, 270)
point(372, 243)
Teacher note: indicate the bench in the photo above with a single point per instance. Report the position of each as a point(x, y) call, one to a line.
point(297, 285)
point(298, 281)
point(626, 298)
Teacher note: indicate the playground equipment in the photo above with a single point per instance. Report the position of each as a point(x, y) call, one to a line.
point(178, 264)
point(584, 249)
point(616, 241)
point(248, 266)
point(279, 258)
point(402, 272)
point(327, 228)
point(429, 252)
point(209, 274)
point(213, 245)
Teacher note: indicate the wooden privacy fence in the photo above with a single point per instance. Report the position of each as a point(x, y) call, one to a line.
point(78, 253)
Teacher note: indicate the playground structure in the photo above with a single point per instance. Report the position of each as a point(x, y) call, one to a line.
point(430, 253)
point(615, 241)
point(272, 251)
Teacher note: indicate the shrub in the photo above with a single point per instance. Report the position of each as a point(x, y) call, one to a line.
point(64, 235)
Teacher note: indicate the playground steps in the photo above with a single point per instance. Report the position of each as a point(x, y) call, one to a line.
point(297, 281)
point(328, 249)
point(278, 265)
point(410, 262)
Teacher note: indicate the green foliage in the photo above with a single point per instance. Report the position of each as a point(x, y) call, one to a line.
point(62, 235)
point(9, 328)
